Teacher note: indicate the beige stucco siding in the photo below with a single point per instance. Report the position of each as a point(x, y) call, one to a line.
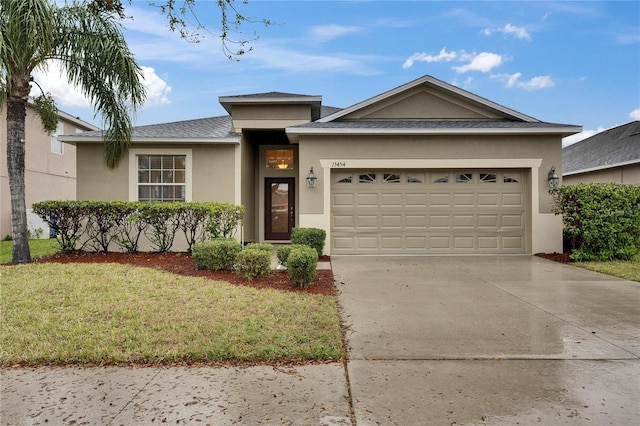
point(211, 178)
point(421, 102)
point(271, 117)
point(337, 148)
point(48, 175)
point(625, 174)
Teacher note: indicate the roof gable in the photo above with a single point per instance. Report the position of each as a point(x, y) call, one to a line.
point(424, 99)
point(612, 148)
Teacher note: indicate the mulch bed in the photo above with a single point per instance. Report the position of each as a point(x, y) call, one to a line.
point(556, 257)
point(182, 264)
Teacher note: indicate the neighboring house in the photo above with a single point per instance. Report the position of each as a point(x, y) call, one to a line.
point(50, 165)
point(609, 156)
point(425, 168)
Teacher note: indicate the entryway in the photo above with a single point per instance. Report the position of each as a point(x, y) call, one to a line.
point(279, 210)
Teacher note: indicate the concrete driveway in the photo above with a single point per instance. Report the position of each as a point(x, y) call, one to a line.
point(489, 340)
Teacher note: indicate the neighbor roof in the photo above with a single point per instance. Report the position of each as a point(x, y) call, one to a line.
point(612, 148)
point(207, 130)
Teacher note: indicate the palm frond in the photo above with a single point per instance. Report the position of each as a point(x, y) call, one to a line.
point(95, 55)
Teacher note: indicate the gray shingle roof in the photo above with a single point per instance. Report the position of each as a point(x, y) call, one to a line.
point(269, 95)
point(432, 124)
point(211, 127)
point(620, 145)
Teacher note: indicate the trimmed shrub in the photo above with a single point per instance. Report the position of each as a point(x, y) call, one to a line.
point(312, 237)
point(301, 265)
point(216, 255)
point(283, 253)
point(253, 263)
point(601, 220)
point(260, 246)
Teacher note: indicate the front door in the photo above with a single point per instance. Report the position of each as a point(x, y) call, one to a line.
point(279, 208)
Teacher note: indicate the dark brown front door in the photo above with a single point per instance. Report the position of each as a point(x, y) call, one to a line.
point(279, 208)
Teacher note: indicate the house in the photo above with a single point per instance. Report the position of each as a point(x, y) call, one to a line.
point(425, 168)
point(50, 166)
point(609, 156)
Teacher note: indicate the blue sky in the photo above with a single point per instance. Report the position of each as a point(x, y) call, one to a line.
point(563, 62)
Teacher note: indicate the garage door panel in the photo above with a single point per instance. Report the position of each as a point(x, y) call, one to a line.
point(463, 200)
point(512, 200)
point(439, 220)
point(368, 221)
point(416, 200)
point(340, 199)
point(512, 221)
point(462, 221)
point(490, 200)
point(415, 221)
point(513, 242)
point(391, 242)
point(488, 221)
point(392, 221)
point(391, 200)
point(429, 212)
point(439, 200)
point(367, 200)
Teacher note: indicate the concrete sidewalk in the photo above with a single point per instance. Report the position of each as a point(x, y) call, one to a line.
point(432, 340)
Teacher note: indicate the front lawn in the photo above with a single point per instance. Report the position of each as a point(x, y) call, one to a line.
point(38, 248)
point(111, 313)
point(629, 269)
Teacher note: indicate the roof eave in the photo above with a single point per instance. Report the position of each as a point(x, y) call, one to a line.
point(561, 131)
point(160, 141)
point(603, 167)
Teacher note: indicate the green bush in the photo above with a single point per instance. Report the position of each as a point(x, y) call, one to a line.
point(96, 224)
point(260, 246)
point(601, 220)
point(312, 237)
point(253, 263)
point(283, 252)
point(301, 265)
point(216, 255)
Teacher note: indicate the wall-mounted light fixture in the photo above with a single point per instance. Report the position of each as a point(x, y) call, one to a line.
point(311, 179)
point(554, 179)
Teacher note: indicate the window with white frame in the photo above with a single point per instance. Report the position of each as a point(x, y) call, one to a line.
point(161, 177)
point(56, 146)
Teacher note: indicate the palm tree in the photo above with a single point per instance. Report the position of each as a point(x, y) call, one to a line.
point(88, 42)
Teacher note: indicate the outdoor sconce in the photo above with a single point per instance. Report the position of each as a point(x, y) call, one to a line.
point(311, 179)
point(554, 179)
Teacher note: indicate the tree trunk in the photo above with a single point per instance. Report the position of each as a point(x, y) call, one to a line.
point(16, 115)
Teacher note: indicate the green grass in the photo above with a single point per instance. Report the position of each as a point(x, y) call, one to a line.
point(38, 248)
point(110, 313)
point(629, 270)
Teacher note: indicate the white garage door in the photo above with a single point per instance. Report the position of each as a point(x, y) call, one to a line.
point(428, 211)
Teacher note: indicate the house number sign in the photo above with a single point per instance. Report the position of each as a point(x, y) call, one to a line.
point(338, 164)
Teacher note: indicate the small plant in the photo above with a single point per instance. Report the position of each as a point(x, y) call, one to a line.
point(253, 263)
point(35, 233)
point(216, 255)
point(301, 265)
point(312, 237)
point(283, 253)
point(260, 246)
point(7, 238)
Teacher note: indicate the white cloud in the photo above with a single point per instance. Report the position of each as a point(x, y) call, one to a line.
point(157, 89)
point(513, 80)
point(518, 32)
point(443, 56)
point(323, 33)
point(54, 81)
point(483, 62)
point(65, 94)
point(570, 140)
point(635, 114)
